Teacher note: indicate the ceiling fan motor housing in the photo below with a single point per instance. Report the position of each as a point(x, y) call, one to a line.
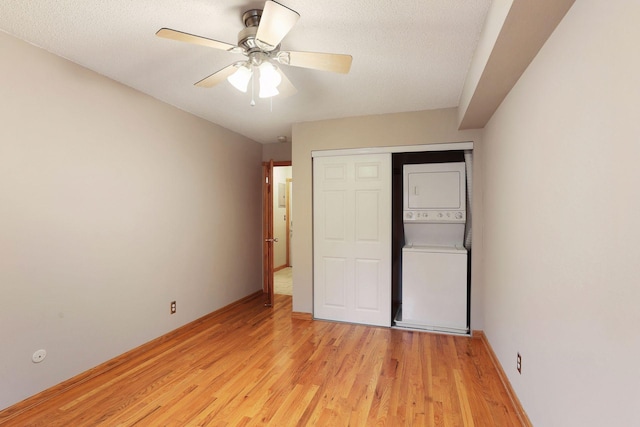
point(247, 36)
point(251, 18)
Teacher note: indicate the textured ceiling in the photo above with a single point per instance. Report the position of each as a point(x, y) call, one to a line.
point(407, 55)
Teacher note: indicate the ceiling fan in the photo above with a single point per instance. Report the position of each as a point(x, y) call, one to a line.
point(260, 41)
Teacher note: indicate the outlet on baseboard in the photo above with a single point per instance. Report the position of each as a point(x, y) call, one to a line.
point(519, 363)
point(173, 307)
point(39, 356)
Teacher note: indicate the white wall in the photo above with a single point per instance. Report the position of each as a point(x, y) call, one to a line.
point(561, 223)
point(412, 128)
point(112, 204)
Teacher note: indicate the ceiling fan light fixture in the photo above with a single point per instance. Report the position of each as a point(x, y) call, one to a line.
point(260, 42)
point(240, 79)
point(270, 78)
point(268, 91)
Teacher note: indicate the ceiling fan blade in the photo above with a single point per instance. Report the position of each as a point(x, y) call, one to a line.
point(285, 87)
point(217, 77)
point(336, 62)
point(276, 21)
point(168, 33)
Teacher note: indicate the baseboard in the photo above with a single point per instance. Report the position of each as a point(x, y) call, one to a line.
point(50, 393)
point(522, 415)
point(301, 316)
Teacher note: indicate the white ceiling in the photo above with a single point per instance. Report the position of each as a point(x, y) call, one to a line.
point(408, 55)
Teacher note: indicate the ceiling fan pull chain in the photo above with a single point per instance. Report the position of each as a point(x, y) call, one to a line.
point(253, 102)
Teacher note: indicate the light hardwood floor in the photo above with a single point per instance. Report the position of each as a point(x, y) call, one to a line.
point(252, 365)
point(282, 281)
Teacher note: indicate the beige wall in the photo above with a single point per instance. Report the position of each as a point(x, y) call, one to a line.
point(112, 204)
point(494, 21)
point(278, 151)
point(562, 209)
point(513, 33)
point(414, 128)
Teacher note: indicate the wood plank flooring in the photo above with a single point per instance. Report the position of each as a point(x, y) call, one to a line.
point(252, 365)
point(283, 281)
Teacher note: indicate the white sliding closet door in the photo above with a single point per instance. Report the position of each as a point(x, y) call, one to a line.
point(352, 238)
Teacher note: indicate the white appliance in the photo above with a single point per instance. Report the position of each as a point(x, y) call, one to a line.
point(434, 260)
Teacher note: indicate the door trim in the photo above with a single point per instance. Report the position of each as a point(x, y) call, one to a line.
point(444, 146)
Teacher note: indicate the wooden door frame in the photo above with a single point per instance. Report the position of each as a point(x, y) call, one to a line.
point(267, 227)
point(267, 232)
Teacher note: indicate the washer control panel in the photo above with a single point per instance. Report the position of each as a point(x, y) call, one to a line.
point(435, 216)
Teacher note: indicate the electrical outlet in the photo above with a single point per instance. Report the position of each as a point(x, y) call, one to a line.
point(519, 363)
point(39, 356)
point(173, 307)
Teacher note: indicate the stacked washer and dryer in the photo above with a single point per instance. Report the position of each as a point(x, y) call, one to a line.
point(434, 259)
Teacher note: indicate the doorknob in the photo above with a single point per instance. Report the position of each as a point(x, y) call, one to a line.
point(271, 240)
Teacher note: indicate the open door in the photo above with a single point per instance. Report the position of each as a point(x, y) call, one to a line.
point(267, 227)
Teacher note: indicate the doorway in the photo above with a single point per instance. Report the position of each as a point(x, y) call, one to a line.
point(282, 230)
point(277, 229)
point(281, 216)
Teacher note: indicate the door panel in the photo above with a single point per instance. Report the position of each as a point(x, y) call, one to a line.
point(335, 291)
point(367, 284)
point(332, 215)
point(352, 238)
point(367, 218)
